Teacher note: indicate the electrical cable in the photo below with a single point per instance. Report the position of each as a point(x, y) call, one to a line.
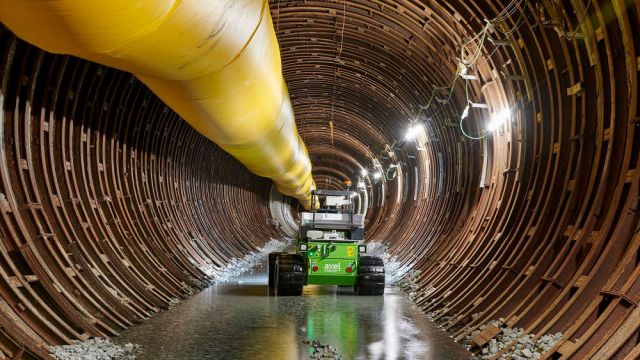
point(466, 90)
point(508, 12)
point(395, 172)
point(584, 16)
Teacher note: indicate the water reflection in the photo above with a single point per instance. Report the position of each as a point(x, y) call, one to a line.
point(238, 321)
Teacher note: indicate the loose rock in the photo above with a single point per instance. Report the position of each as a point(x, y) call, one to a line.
point(95, 349)
point(514, 343)
point(321, 350)
point(237, 267)
point(395, 271)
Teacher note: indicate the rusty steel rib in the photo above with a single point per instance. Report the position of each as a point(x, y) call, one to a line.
point(104, 219)
point(111, 206)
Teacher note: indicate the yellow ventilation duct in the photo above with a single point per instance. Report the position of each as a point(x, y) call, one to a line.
point(215, 62)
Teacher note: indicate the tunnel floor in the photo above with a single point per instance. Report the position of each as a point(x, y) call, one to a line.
point(237, 320)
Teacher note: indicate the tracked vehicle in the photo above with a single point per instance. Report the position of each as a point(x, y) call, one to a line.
point(330, 250)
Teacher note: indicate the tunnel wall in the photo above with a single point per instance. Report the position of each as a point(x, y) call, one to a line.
point(111, 207)
point(537, 223)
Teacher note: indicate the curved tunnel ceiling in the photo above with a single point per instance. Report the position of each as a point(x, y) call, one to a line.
point(111, 205)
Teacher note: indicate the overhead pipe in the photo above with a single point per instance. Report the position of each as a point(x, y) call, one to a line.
point(216, 63)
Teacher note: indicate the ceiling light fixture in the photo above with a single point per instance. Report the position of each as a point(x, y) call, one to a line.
point(413, 131)
point(498, 118)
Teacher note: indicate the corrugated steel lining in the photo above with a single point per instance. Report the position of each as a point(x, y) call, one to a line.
point(105, 217)
point(551, 243)
point(111, 205)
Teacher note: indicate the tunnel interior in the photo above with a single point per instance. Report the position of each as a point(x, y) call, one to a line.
point(111, 205)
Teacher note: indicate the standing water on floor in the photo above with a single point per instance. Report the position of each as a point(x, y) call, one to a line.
point(238, 320)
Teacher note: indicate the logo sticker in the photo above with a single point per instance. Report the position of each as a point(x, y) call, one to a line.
point(332, 267)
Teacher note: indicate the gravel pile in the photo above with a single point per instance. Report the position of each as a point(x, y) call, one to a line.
point(236, 267)
point(409, 283)
point(468, 341)
point(546, 342)
point(394, 270)
point(499, 342)
point(526, 347)
point(322, 351)
point(95, 349)
point(516, 344)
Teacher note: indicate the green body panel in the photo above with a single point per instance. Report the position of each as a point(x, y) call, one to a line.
point(332, 260)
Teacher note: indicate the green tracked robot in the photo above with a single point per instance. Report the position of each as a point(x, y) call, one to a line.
point(329, 250)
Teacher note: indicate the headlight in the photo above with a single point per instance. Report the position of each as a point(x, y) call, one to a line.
point(303, 247)
point(362, 249)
